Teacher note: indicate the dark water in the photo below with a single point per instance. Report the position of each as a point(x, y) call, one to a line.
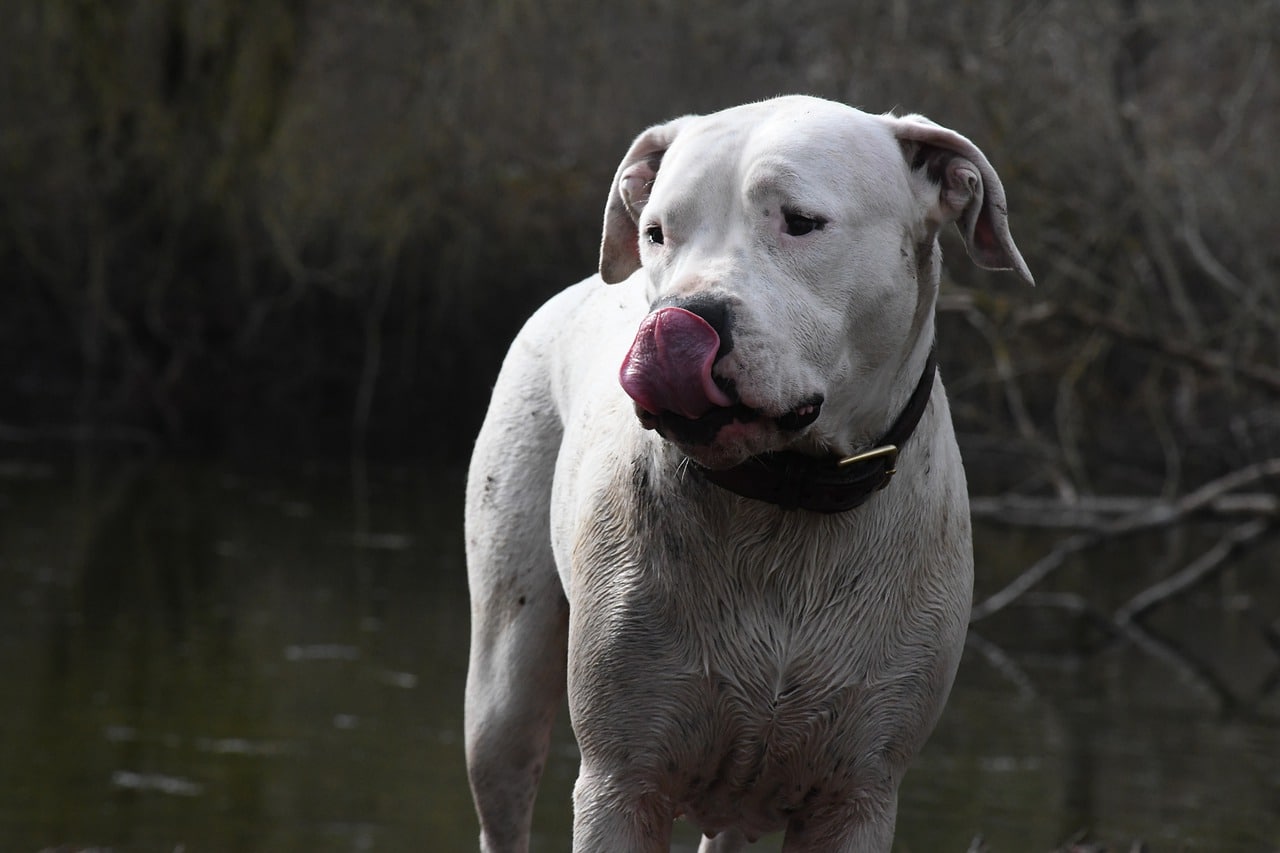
point(201, 660)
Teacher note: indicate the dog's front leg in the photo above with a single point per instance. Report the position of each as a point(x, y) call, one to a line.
point(605, 819)
point(870, 832)
point(519, 638)
point(514, 688)
point(729, 841)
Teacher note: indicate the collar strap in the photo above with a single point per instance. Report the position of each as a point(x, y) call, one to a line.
point(827, 484)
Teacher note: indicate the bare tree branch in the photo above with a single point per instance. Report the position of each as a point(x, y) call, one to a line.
point(1198, 570)
point(1265, 377)
point(1153, 515)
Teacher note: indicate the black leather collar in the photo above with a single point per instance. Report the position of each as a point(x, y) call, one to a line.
point(827, 484)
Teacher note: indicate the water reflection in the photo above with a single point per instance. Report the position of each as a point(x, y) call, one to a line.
point(207, 660)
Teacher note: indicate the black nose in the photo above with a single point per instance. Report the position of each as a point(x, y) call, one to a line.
point(710, 307)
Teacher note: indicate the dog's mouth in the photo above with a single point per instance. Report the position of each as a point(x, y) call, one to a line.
point(702, 430)
point(669, 373)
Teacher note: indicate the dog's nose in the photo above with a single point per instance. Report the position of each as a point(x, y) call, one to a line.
point(711, 308)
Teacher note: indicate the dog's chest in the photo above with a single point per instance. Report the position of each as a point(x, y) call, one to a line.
point(774, 702)
point(785, 734)
point(755, 674)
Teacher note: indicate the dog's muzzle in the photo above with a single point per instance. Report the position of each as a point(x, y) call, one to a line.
point(668, 373)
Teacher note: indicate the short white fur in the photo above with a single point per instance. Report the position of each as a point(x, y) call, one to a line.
point(749, 668)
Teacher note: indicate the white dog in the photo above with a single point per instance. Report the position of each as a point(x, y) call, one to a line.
point(680, 507)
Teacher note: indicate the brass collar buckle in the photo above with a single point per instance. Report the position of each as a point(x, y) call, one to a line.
point(886, 453)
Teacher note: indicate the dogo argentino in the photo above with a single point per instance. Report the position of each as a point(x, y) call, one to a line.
point(680, 505)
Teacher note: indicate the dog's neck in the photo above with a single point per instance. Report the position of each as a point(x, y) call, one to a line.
point(833, 483)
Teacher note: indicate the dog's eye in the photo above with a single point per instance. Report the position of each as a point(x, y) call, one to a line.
point(654, 234)
point(797, 224)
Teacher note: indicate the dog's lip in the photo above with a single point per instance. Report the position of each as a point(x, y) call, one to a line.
point(703, 430)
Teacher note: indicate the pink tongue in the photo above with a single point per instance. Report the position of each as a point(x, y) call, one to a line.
point(668, 367)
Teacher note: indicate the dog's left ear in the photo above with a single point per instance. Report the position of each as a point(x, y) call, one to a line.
point(969, 192)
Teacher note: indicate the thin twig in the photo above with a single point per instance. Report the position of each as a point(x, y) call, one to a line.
point(1197, 355)
point(1092, 512)
point(1190, 670)
point(1013, 396)
point(1002, 663)
point(1195, 572)
point(1037, 572)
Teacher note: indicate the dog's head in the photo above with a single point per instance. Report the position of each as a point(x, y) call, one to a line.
point(789, 251)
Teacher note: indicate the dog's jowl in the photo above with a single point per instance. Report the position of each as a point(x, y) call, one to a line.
point(717, 497)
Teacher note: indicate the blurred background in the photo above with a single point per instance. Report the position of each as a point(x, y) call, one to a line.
point(259, 263)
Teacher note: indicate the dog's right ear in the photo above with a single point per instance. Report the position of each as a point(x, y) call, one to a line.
point(632, 185)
